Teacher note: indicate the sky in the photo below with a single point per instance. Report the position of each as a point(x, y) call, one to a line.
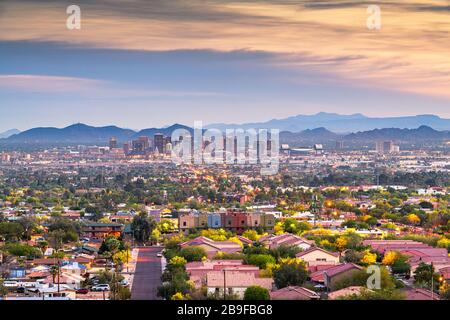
point(140, 64)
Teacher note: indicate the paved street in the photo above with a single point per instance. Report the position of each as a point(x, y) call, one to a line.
point(148, 274)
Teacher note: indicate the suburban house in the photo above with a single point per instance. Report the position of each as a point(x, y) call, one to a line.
point(244, 240)
point(102, 230)
point(419, 294)
point(213, 247)
point(317, 273)
point(198, 271)
point(71, 280)
point(318, 256)
point(286, 239)
point(333, 275)
point(45, 291)
point(234, 283)
point(73, 268)
point(353, 290)
point(418, 252)
point(294, 293)
point(232, 220)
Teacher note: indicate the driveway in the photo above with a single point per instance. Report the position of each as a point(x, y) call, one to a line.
point(147, 277)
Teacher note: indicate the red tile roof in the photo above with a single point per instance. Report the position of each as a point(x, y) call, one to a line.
point(341, 268)
point(237, 279)
point(420, 294)
point(299, 255)
point(294, 293)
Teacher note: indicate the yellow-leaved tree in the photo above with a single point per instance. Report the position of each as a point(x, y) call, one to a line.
point(341, 243)
point(369, 258)
point(413, 219)
point(390, 257)
point(180, 296)
point(236, 240)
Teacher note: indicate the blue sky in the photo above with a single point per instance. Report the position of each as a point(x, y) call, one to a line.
point(144, 66)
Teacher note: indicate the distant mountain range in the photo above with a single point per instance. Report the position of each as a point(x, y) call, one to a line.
point(320, 135)
point(344, 123)
point(83, 134)
point(9, 133)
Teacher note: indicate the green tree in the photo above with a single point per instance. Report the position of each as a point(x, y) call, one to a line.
point(401, 265)
point(423, 274)
point(193, 253)
point(142, 226)
point(110, 244)
point(256, 293)
point(178, 283)
point(11, 231)
point(259, 260)
point(290, 274)
point(285, 251)
point(22, 250)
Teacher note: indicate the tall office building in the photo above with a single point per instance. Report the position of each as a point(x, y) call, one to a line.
point(159, 142)
point(339, 145)
point(141, 146)
point(126, 148)
point(384, 147)
point(113, 143)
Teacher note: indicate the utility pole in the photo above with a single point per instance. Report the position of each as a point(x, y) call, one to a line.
point(224, 284)
point(59, 272)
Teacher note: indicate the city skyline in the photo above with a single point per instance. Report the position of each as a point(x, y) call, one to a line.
point(218, 61)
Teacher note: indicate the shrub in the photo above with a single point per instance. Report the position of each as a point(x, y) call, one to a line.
point(256, 293)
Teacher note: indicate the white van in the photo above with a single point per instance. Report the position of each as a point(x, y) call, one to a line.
point(10, 284)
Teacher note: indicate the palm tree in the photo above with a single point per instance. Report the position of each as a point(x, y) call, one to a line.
point(54, 270)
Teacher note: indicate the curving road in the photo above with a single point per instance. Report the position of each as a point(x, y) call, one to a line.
point(147, 275)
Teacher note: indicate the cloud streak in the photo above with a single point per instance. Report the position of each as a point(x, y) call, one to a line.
point(409, 54)
point(88, 88)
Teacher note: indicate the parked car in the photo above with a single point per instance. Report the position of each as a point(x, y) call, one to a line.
point(159, 255)
point(21, 290)
point(101, 287)
point(82, 291)
point(10, 284)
